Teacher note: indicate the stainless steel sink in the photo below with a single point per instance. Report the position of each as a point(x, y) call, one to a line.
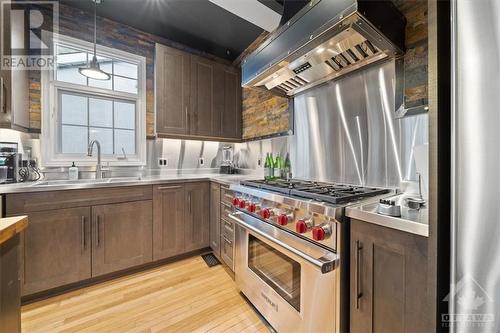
point(85, 181)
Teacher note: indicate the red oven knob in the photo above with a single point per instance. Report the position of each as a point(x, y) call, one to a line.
point(301, 226)
point(236, 202)
point(252, 208)
point(265, 213)
point(318, 233)
point(282, 219)
point(321, 232)
point(242, 204)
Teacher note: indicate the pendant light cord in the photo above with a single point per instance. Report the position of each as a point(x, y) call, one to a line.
point(95, 28)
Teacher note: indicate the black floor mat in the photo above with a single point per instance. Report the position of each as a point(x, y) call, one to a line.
point(210, 259)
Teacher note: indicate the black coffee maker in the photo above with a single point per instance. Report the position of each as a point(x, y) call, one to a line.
point(11, 159)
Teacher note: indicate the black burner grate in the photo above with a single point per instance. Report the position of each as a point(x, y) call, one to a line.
point(325, 192)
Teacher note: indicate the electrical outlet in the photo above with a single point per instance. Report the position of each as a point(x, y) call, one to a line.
point(163, 162)
point(202, 161)
point(259, 162)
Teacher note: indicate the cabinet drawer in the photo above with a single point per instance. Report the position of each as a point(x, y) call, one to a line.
point(227, 252)
point(225, 210)
point(226, 195)
point(227, 229)
point(21, 203)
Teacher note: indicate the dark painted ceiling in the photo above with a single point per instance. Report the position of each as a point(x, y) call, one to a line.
point(199, 24)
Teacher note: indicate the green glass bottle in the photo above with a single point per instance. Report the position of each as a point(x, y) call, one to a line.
point(267, 168)
point(277, 167)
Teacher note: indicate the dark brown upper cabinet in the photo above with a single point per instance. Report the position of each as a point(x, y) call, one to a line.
point(196, 98)
point(172, 91)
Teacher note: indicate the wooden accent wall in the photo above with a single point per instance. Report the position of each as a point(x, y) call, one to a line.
point(416, 56)
point(266, 115)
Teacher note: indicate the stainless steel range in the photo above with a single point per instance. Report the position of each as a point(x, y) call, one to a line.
point(291, 251)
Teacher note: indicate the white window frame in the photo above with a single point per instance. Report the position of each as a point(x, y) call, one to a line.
point(50, 157)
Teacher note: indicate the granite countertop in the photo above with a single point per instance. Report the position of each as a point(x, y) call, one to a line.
point(10, 226)
point(58, 185)
point(411, 220)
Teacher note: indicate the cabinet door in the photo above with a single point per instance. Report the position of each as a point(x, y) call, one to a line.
point(231, 112)
point(391, 268)
point(56, 249)
point(5, 74)
point(197, 216)
point(215, 218)
point(122, 236)
point(202, 101)
point(10, 293)
point(168, 221)
point(172, 91)
point(361, 282)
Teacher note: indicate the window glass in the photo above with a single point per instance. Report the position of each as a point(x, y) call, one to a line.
point(125, 115)
point(67, 63)
point(125, 85)
point(74, 139)
point(124, 139)
point(100, 112)
point(125, 69)
point(105, 138)
point(74, 110)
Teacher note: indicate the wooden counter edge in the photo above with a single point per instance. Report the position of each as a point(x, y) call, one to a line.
point(10, 226)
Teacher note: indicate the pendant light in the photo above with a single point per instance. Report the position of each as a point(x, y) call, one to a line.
point(93, 71)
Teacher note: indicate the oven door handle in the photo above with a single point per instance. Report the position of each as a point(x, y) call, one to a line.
point(325, 264)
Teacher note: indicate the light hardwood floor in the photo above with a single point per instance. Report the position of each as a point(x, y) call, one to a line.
point(184, 296)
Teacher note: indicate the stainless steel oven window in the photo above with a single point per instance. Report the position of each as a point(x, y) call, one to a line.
point(277, 270)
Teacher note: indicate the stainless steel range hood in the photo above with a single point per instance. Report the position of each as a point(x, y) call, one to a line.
point(326, 39)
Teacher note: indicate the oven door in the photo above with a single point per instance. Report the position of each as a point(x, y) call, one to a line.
point(291, 281)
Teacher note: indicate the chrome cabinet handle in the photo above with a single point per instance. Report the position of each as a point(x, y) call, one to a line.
point(3, 95)
point(227, 241)
point(189, 203)
point(98, 236)
point(163, 188)
point(359, 292)
point(82, 223)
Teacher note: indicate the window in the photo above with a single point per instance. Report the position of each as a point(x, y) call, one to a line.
point(77, 110)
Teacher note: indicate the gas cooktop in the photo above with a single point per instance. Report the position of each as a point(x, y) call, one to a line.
point(325, 192)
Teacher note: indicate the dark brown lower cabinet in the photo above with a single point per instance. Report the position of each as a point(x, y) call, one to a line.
point(10, 289)
point(215, 218)
point(122, 236)
point(388, 280)
point(168, 221)
point(56, 249)
point(197, 222)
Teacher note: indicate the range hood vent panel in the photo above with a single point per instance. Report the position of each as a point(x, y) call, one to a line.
point(326, 39)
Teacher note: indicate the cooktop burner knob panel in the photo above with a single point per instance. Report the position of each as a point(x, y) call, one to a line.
point(321, 232)
point(303, 226)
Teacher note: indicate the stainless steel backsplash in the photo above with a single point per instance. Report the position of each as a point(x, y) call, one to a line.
point(346, 131)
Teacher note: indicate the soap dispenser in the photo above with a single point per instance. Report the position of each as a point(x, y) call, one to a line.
point(73, 172)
